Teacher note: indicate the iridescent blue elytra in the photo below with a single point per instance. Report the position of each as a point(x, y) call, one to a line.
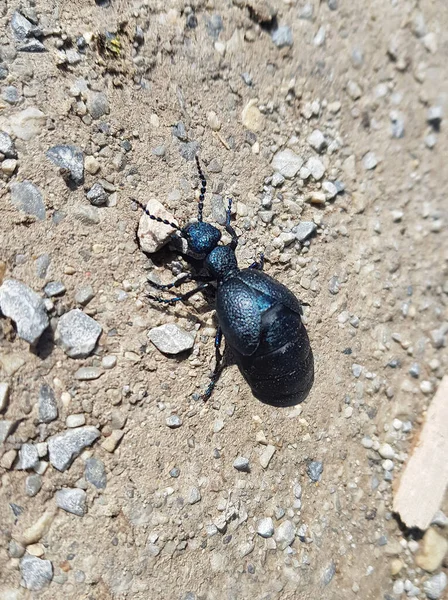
point(259, 317)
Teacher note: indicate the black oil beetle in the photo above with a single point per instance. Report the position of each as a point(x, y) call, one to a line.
point(259, 317)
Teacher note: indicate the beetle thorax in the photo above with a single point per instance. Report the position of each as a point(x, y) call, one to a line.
point(221, 262)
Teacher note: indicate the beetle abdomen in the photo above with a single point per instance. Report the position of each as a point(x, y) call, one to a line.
point(279, 372)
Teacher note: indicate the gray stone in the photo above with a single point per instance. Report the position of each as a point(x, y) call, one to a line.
point(319, 38)
point(285, 534)
point(188, 150)
point(174, 421)
point(97, 195)
point(36, 572)
point(171, 339)
point(266, 456)
point(287, 163)
point(277, 180)
point(32, 46)
point(369, 161)
point(15, 550)
point(282, 36)
point(97, 105)
point(317, 140)
point(194, 496)
point(315, 167)
point(214, 25)
point(304, 230)
point(28, 457)
point(219, 213)
point(75, 420)
point(77, 333)
point(72, 500)
point(21, 27)
point(69, 158)
point(434, 586)
point(95, 473)
point(330, 189)
point(431, 140)
point(306, 12)
point(54, 288)
point(334, 285)
point(7, 147)
point(11, 94)
point(5, 428)
point(88, 215)
point(28, 198)
point(356, 370)
point(65, 447)
point(242, 464)
point(41, 264)
point(21, 304)
point(265, 527)
point(88, 373)
point(48, 408)
point(180, 132)
point(84, 294)
point(315, 469)
point(4, 395)
point(33, 485)
point(328, 573)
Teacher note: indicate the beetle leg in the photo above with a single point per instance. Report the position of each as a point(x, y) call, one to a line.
point(217, 370)
point(180, 298)
point(230, 230)
point(258, 264)
point(184, 279)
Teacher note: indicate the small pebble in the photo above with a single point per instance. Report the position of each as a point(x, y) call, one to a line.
point(174, 421)
point(70, 159)
point(77, 333)
point(111, 442)
point(171, 339)
point(435, 586)
point(282, 36)
point(242, 464)
point(194, 496)
point(369, 161)
point(266, 456)
point(76, 420)
point(28, 457)
point(36, 573)
point(265, 527)
point(4, 395)
point(54, 288)
point(109, 362)
point(21, 304)
point(287, 163)
point(65, 447)
point(315, 470)
point(285, 534)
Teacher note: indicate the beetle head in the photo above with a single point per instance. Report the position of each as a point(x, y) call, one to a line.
point(201, 237)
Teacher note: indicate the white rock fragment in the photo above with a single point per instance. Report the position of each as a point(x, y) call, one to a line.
point(152, 234)
point(171, 339)
point(77, 333)
point(72, 500)
point(369, 161)
point(317, 140)
point(315, 167)
point(266, 455)
point(285, 534)
point(65, 447)
point(251, 116)
point(21, 304)
point(265, 527)
point(287, 163)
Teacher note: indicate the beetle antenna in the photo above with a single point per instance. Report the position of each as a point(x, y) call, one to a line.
point(153, 217)
point(203, 188)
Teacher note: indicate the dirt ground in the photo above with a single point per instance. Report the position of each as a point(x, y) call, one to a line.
point(374, 275)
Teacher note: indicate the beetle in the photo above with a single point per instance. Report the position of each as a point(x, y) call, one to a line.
point(259, 317)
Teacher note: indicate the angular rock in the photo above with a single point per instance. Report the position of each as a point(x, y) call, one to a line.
point(88, 215)
point(171, 339)
point(65, 447)
point(95, 473)
point(285, 534)
point(28, 198)
point(174, 421)
point(7, 147)
point(77, 333)
point(315, 469)
point(72, 500)
point(5, 428)
point(316, 168)
point(36, 572)
point(97, 195)
point(111, 442)
point(266, 455)
point(251, 116)
point(242, 464)
point(435, 586)
point(28, 457)
point(33, 485)
point(97, 105)
point(21, 27)
point(282, 36)
point(69, 158)
point(152, 234)
point(21, 304)
point(369, 161)
point(317, 140)
point(194, 496)
point(304, 230)
point(287, 163)
point(32, 46)
point(28, 123)
point(54, 288)
point(84, 294)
